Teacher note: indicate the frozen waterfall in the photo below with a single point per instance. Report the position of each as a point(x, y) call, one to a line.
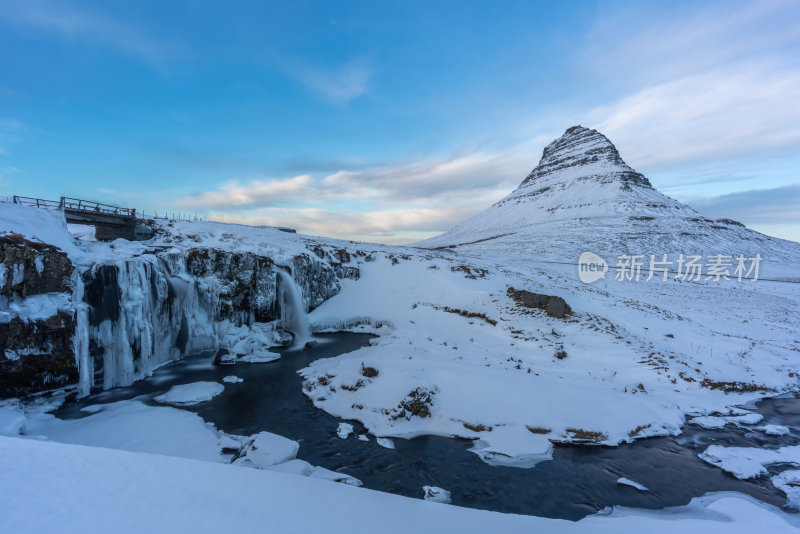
point(292, 309)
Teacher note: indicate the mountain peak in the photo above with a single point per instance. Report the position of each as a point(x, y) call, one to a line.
point(583, 154)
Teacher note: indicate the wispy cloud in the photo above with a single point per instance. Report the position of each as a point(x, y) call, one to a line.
point(340, 85)
point(336, 83)
point(87, 26)
point(698, 84)
point(780, 205)
point(775, 211)
point(254, 193)
point(385, 226)
point(727, 112)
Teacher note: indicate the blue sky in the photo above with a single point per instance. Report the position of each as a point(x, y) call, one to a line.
point(391, 121)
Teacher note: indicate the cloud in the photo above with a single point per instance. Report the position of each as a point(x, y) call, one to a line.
point(467, 181)
point(774, 211)
point(689, 84)
point(779, 205)
point(98, 28)
point(338, 84)
point(728, 112)
point(256, 192)
point(386, 226)
point(659, 45)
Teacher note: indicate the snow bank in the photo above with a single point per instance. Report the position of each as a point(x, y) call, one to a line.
point(135, 426)
point(12, 418)
point(40, 225)
point(92, 490)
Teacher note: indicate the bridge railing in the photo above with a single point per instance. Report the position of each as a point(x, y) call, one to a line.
point(68, 203)
point(37, 202)
point(89, 206)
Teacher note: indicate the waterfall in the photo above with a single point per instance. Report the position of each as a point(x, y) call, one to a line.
point(292, 309)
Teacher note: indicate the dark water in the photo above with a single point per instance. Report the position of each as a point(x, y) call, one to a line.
point(580, 480)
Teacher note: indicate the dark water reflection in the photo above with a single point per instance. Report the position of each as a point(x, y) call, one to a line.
point(578, 481)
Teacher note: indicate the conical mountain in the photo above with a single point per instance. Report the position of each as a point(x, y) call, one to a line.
point(583, 196)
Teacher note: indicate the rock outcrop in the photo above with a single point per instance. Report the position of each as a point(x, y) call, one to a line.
point(552, 305)
point(36, 352)
point(30, 268)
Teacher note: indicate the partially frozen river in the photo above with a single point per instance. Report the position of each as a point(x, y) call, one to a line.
point(580, 480)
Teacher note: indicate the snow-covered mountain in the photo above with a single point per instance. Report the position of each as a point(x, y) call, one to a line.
point(583, 196)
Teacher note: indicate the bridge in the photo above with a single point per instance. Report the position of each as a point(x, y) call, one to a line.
point(110, 222)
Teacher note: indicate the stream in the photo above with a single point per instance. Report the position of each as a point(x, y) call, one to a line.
point(578, 481)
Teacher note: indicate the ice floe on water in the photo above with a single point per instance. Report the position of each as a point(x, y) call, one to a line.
point(749, 462)
point(628, 482)
point(719, 421)
point(232, 379)
point(188, 394)
point(774, 430)
point(344, 430)
point(260, 357)
point(386, 443)
point(789, 483)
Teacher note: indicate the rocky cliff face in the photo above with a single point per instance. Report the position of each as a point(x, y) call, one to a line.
point(36, 352)
point(122, 318)
point(30, 268)
point(589, 152)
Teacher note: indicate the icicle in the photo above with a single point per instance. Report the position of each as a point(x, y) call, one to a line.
point(80, 339)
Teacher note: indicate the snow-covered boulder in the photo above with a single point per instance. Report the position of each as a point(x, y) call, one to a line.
point(267, 449)
point(436, 494)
